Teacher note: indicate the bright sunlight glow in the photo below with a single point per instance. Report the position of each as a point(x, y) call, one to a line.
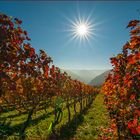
point(82, 29)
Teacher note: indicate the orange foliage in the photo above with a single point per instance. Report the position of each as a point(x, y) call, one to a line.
point(122, 87)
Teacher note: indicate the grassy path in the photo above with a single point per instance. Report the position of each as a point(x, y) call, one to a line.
point(96, 117)
point(88, 123)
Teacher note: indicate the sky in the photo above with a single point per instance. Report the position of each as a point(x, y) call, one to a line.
point(49, 25)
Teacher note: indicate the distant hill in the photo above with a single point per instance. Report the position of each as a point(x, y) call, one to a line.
point(99, 80)
point(73, 75)
point(84, 75)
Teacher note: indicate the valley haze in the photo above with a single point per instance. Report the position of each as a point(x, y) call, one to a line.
point(83, 75)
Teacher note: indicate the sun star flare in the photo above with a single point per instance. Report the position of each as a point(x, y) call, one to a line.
point(82, 29)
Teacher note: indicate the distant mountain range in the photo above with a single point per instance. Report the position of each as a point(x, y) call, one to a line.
point(85, 76)
point(100, 79)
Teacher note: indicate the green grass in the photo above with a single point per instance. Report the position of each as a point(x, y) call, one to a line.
point(96, 117)
point(84, 126)
point(12, 121)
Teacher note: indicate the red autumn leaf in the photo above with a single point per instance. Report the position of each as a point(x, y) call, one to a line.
point(138, 129)
point(27, 46)
point(133, 23)
point(131, 59)
point(135, 31)
point(138, 55)
point(129, 125)
point(114, 60)
point(132, 97)
point(135, 121)
point(53, 69)
point(137, 112)
point(17, 21)
point(32, 52)
point(133, 131)
point(14, 75)
point(46, 71)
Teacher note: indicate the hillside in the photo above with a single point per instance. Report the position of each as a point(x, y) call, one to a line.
point(84, 75)
point(99, 80)
point(73, 75)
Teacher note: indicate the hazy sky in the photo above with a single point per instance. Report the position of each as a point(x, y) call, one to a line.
point(47, 24)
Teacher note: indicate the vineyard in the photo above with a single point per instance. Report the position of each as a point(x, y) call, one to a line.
point(122, 87)
point(34, 91)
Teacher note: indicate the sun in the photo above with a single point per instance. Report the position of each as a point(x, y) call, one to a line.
point(82, 29)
